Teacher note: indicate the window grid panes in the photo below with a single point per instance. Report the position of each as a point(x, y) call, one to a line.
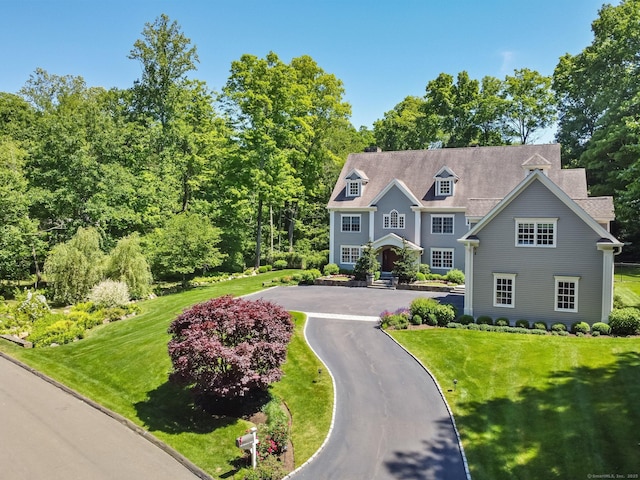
point(504, 291)
point(533, 233)
point(441, 258)
point(566, 295)
point(351, 223)
point(442, 224)
point(349, 254)
point(353, 189)
point(393, 220)
point(444, 187)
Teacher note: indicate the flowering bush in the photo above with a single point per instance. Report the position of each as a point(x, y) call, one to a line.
point(228, 347)
point(398, 320)
point(109, 293)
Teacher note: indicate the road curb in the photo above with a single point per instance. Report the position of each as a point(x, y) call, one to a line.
point(453, 421)
point(193, 468)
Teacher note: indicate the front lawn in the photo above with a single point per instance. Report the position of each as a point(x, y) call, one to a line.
point(124, 366)
point(627, 285)
point(531, 407)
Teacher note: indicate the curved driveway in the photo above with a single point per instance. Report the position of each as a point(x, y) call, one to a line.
point(390, 421)
point(47, 433)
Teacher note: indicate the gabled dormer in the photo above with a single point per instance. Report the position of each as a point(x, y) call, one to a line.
point(445, 181)
point(355, 182)
point(536, 162)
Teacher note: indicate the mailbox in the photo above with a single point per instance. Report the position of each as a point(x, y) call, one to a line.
point(245, 442)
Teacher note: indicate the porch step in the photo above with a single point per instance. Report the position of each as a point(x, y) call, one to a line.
point(459, 289)
point(382, 283)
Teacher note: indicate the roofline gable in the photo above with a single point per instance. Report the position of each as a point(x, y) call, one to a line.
point(359, 173)
point(451, 173)
point(394, 240)
point(557, 191)
point(403, 188)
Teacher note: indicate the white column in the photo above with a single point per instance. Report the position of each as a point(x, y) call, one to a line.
point(418, 228)
point(332, 240)
point(607, 283)
point(468, 278)
point(371, 216)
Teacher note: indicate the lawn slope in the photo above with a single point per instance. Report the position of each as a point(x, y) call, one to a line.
point(531, 407)
point(124, 366)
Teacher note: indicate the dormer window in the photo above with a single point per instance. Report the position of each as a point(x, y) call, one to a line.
point(355, 181)
point(354, 188)
point(445, 182)
point(444, 187)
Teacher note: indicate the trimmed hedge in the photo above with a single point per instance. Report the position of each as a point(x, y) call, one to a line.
point(580, 327)
point(625, 321)
point(484, 320)
point(600, 328)
point(521, 323)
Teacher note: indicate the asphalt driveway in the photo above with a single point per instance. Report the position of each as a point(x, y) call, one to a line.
point(390, 421)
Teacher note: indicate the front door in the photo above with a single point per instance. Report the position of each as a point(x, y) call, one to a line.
point(389, 257)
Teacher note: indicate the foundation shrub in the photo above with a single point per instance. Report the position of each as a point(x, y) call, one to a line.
point(625, 321)
point(600, 328)
point(502, 322)
point(580, 327)
point(484, 320)
point(331, 269)
point(521, 323)
point(558, 327)
point(465, 319)
point(540, 326)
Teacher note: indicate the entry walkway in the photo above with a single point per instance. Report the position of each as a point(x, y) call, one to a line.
point(390, 419)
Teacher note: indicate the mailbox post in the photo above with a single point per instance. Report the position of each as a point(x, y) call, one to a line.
point(249, 442)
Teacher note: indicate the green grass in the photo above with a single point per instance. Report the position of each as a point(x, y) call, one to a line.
point(531, 407)
point(124, 366)
point(627, 285)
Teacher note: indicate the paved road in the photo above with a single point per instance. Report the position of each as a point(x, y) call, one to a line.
point(46, 433)
point(391, 422)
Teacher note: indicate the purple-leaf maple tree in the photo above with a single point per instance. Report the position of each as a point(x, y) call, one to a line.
point(227, 347)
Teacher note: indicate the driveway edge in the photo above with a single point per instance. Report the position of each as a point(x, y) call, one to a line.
point(453, 421)
point(188, 464)
point(333, 413)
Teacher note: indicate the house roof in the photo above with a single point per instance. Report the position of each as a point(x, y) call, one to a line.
point(484, 176)
point(559, 193)
point(482, 172)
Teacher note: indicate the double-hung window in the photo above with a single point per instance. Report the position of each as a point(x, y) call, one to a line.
point(349, 254)
point(442, 224)
point(504, 285)
point(393, 219)
point(536, 232)
point(566, 294)
point(350, 223)
point(442, 258)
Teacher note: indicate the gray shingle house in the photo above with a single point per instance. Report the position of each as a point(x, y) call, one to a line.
point(531, 241)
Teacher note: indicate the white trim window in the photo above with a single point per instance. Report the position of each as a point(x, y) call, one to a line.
point(504, 290)
point(350, 223)
point(566, 294)
point(349, 254)
point(442, 224)
point(444, 187)
point(354, 188)
point(536, 232)
point(393, 219)
point(442, 258)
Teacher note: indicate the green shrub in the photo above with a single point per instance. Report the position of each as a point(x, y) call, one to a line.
point(30, 306)
point(316, 260)
point(580, 327)
point(540, 326)
point(434, 276)
point(484, 320)
point(399, 320)
point(521, 323)
point(270, 468)
point(455, 325)
point(455, 276)
point(54, 328)
point(473, 326)
point(280, 264)
point(109, 293)
point(309, 276)
point(331, 269)
point(600, 328)
point(445, 313)
point(625, 321)
point(617, 302)
point(424, 269)
point(502, 322)
point(430, 320)
point(416, 320)
point(466, 319)
point(558, 327)
point(420, 277)
point(595, 334)
point(423, 306)
point(264, 268)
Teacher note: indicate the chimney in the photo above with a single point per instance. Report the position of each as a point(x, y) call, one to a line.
point(372, 148)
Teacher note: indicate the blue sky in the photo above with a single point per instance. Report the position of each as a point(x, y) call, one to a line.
point(381, 50)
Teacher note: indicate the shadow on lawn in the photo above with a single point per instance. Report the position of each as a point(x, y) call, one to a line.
point(586, 421)
point(171, 409)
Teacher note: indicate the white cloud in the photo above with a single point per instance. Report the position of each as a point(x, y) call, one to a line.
point(507, 62)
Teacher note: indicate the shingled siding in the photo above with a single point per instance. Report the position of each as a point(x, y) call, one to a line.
point(575, 254)
point(430, 240)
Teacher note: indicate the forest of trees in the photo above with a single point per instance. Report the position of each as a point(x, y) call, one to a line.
point(227, 180)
